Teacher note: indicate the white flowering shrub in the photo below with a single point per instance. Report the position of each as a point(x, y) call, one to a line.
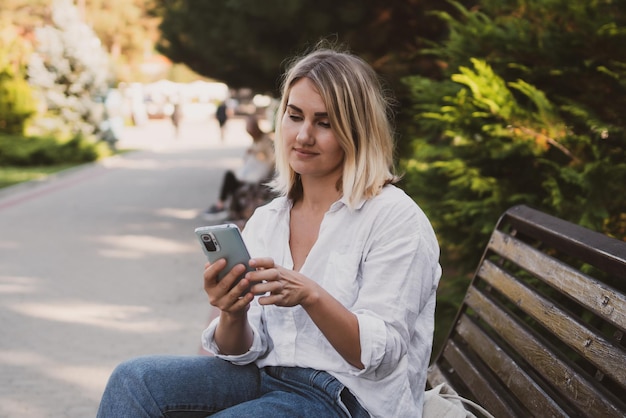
point(70, 72)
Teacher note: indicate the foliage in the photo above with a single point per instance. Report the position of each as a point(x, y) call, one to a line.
point(18, 151)
point(244, 43)
point(530, 112)
point(450, 293)
point(26, 14)
point(17, 105)
point(126, 31)
point(70, 72)
point(16, 101)
point(124, 27)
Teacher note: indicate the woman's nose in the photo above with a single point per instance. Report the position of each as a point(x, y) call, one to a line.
point(305, 135)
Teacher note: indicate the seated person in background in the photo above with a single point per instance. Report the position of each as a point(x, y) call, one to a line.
point(258, 167)
point(346, 266)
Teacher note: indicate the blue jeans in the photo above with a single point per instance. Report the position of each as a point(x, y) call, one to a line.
point(190, 387)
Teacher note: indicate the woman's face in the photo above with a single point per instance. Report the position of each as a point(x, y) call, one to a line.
point(310, 142)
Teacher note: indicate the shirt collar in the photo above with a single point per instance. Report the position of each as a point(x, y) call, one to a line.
point(344, 202)
point(283, 203)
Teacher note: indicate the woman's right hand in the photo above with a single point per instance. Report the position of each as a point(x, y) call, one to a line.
point(220, 294)
point(233, 334)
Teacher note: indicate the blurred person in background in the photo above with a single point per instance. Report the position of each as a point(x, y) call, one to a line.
point(221, 114)
point(177, 115)
point(257, 168)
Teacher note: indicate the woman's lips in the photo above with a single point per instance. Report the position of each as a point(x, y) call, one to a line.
point(303, 153)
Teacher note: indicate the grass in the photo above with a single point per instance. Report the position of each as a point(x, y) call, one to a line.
point(10, 176)
point(13, 175)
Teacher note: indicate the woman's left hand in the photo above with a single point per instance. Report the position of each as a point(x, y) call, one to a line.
point(283, 287)
point(280, 286)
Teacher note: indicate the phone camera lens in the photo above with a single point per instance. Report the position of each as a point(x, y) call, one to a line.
point(209, 242)
point(209, 245)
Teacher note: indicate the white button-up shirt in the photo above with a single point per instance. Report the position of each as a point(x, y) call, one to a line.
point(380, 261)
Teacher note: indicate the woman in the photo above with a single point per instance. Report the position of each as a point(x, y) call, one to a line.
point(347, 265)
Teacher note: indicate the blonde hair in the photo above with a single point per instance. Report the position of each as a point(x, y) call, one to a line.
point(359, 114)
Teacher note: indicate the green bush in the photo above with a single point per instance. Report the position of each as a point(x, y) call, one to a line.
point(528, 110)
point(17, 104)
point(21, 151)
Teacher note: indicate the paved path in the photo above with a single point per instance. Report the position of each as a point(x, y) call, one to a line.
point(100, 263)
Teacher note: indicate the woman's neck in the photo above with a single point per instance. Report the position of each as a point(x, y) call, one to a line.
point(318, 196)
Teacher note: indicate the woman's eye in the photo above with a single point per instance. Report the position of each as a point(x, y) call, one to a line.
point(294, 117)
point(324, 124)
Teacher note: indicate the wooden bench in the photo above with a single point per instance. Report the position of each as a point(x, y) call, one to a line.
point(540, 331)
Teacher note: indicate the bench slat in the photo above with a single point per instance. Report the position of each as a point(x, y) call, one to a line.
point(593, 294)
point(436, 376)
point(512, 375)
point(485, 392)
point(593, 346)
point(563, 377)
point(606, 253)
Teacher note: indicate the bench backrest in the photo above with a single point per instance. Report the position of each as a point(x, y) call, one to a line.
point(541, 329)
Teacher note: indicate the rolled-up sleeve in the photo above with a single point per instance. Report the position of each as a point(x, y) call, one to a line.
point(373, 341)
point(396, 284)
point(257, 349)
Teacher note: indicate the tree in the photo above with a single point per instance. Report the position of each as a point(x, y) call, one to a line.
point(127, 32)
point(17, 104)
point(125, 28)
point(244, 43)
point(531, 111)
point(26, 14)
point(18, 21)
point(70, 72)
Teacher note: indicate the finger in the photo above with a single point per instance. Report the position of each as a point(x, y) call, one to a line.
point(229, 299)
point(219, 292)
point(262, 263)
point(230, 279)
point(235, 305)
point(238, 297)
point(216, 266)
point(243, 303)
point(267, 275)
point(271, 299)
point(271, 287)
point(211, 271)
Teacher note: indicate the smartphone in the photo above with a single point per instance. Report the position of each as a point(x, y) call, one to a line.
point(224, 241)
